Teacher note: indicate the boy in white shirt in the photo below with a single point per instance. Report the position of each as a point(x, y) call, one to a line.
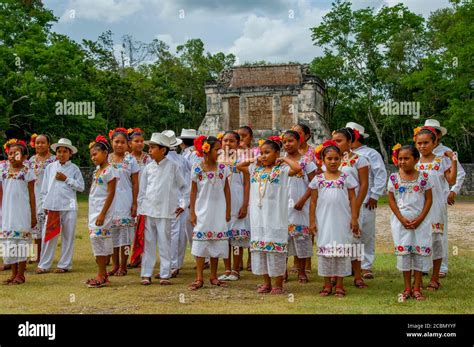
point(160, 183)
point(62, 180)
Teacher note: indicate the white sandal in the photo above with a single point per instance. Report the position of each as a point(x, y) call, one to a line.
point(224, 277)
point(233, 277)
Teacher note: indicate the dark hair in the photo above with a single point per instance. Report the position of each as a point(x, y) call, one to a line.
point(188, 142)
point(412, 149)
point(429, 132)
point(273, 144)
point(46, 136)
point(133, 134)
point(23, 149)
point(347, 132)
point(330, 148)
point(212, 140)
point(120, 132)
point(102, 146)
point(306, 129)
point(293, 133)
point(236, 134)
point(249, 129)
point(167, 149)
point(70, 150)
point(361, 139)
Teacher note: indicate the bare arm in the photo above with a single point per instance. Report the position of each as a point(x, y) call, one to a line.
point(31, 193)
point(245, 204)
point(363, 174)
point(134, 193)
point(312, 211)
point(354, 212)
point(192, 203)
point(227, 200)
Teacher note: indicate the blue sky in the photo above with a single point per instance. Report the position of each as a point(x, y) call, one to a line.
point(271, 30)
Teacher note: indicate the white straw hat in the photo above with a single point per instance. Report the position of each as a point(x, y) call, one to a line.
point(188, 134)
point(159, 139)
point(435, 124)
point(359, 128)
point(64, 143)
point(173, 140)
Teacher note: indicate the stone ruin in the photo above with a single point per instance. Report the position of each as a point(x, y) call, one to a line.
point(268, 98)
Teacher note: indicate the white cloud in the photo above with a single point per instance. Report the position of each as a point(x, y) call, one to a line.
point(101, 10)
point(421, 7)
point(279, 40)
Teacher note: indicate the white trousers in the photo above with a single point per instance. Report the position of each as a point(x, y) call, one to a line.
point(367, 238)
point(68, 233)
point(178, 241)
point(444, 263)
point(157, 231)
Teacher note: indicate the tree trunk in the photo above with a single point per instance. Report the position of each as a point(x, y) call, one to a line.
point(375, 127)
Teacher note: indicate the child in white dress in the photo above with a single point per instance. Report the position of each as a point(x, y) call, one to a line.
point(357, 167)
point(333, 200)
point(239, 225)
point(101, 199)
point(160, 185)
point(442, 172)
point(300, 243)
point(210, 210)
point(38, 163)
point(269, 212)
point(18, 207)
point(62, 180)
point(137, 144)
point(125, 206)
point(410, 198)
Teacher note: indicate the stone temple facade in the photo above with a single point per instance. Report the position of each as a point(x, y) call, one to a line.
point(268, 98)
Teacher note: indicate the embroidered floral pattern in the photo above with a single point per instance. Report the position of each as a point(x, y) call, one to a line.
point(210, 175)
point(350, 162)
point(20, 175)
point(276, 247)
point(99, 232)
point(39, 165)
point(259, 175)
point(298, 230)
point(99, 179)
point(409, 249)
point(303, 163)
point(15, 234)
point(434, 165)
point(323, 183)
point(210, 235)
point(239, 234)
point(123, 222)
point(437, 228)
point(401, 186)
point(122, 165)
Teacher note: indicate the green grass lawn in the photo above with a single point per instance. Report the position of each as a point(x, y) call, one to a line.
point(66, 293)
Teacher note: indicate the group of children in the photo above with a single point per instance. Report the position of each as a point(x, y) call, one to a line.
point(222, 196)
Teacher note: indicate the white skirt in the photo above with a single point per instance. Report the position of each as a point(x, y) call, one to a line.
point(102, 246)
point(121, 235)
point(268, 263)
point(210, 248)
point(437, 246)
point(15, 250)
point(415, 262)
point(333, 266)
point(302, 247)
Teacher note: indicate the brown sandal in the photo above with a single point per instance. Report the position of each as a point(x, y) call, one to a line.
point(165, 282)
point(418, 295)
point(327, 290)
point(340, 292)
point(8, 281)
point(433, 286)
point(97, 282)
point(146, 281)
point(216, 282)
point(360, 284)
point(367, 274)
point(264, 289)
point(19, 279)
point(277, 291)
point(121, 272)
point(303, 278)
point(60, 271)
point(41, 271)
point(113, 272)
point(196, 285)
